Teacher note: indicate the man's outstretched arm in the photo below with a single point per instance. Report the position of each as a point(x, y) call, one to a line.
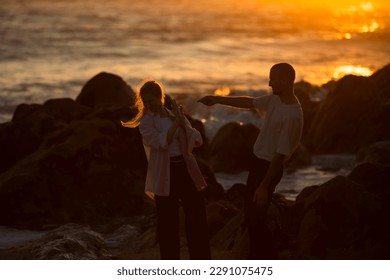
point(244, 102)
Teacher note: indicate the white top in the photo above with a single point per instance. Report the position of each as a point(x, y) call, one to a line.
point(174, 147)
point(282, 128)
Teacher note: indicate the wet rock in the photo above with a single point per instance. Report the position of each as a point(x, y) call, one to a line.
point(90, 168)
point(235, 195)
point(341, 122)
point(218, 214)
point(68, 242)
point(65, 162)
point(353, 116)
point(104, 90)
point(304, 92)
point(381, 78)
point(231, 148)
point(343, 220)
point(301, 157)
point(72, 161)
point(376, 153)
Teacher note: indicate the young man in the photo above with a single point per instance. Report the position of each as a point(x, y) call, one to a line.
point(276, 142)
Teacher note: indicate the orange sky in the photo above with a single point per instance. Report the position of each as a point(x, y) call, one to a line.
point(327, 3)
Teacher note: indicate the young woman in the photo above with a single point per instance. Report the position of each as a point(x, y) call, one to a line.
point(173, 175)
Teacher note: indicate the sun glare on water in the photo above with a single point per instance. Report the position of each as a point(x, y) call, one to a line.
point(341, 71)
point(224, 91)
point(356, 19)
point(347, 18)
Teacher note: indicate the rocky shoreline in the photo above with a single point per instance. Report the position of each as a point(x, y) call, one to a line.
point(68, 167)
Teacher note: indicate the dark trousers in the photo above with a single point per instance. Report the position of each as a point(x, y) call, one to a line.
point(261, 241)
point(182, 189)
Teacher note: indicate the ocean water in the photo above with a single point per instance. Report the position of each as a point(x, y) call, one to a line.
point(51, 48)
point(323, 169)
point(10, 237)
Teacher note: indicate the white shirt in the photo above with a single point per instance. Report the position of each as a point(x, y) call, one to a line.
point(282, 128)
point(174, 147)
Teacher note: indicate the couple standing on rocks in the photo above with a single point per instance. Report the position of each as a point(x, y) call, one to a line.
point(173, 175)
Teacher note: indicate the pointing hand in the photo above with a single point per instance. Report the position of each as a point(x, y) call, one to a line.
point(208, 100)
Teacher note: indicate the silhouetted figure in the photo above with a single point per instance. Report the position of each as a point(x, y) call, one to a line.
point(276, 142)
point(173, 174)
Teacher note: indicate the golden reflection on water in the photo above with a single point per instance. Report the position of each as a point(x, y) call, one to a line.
point(341, 71)
point(355, 19)
point(224, 91)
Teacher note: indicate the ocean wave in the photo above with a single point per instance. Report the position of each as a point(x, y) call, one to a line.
point(192, 47)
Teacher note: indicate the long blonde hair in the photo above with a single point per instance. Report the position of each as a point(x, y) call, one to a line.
point(146, 87)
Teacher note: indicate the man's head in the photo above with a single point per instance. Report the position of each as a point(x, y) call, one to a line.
point(281, 78)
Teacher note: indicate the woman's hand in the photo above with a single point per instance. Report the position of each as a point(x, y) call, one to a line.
point(178, 112)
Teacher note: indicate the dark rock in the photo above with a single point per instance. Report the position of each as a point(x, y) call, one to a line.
point(68, 242)
point(373, 176)
point(232, 237)
point(23, 135)
point(231, 148)
point(301, 157)
point(305, 193)
point(340, 123)
point(377, 130)
point(343, 221)
point(65, 162)
point(31, 123)
point(304, 92)
point(235, 195)
point(373, 168)
point(104, 90)
point(382, 79)
point(65, 109)
point(354, 115)
point(88, 169)
point(218, 214)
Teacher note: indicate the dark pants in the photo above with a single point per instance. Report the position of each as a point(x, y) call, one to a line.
point(261, 243)
point(182, 188)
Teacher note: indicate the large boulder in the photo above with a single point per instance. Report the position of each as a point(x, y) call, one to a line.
point(66, 162)
point(345, 218)
point(231, 148)
point(343, 117)
point(31, 123)
point(86, 170)
point(377, 130)
point(68, 242)
point(63, 161)
point(382, 79)
point(376, 153)
point(304, 92)
point(353, 115)
point(104, 90)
